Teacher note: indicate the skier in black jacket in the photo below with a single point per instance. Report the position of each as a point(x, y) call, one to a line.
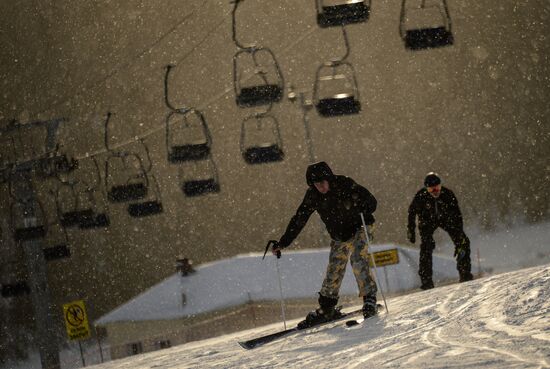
point(339, 200)
point(436, 206)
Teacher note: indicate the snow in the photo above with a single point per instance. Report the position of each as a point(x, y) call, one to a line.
point(502, 321)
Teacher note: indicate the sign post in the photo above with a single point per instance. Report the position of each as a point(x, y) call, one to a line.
point(385, 257)
point(76, 322)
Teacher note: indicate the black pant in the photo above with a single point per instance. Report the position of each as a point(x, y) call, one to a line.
point(427, 246)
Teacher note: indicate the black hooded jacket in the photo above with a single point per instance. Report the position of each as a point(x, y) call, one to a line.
point(434, 212)
point(339, 208)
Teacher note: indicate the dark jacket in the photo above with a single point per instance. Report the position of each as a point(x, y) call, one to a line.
point(339, 208)
point(434, 212)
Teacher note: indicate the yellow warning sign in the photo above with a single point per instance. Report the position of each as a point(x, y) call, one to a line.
point(76, 320)
point(386, 257)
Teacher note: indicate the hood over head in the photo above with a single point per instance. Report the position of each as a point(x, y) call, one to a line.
point(318, 172)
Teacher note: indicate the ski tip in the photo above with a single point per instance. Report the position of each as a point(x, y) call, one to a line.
point(246, 345)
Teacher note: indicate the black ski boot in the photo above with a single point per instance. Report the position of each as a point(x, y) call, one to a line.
point(326, 312)
point(427, 285)
point(369, 306)
point(465, 277)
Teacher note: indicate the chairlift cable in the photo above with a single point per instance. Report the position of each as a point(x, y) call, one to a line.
point(115, 70)
point(209, 102)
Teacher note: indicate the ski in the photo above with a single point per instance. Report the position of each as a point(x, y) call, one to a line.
point(260, 341)
point(354, 322)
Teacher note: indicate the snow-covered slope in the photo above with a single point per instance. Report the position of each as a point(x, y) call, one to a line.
point(498, 322)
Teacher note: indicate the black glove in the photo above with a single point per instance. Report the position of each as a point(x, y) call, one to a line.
point(276, 248)
point(411, 235)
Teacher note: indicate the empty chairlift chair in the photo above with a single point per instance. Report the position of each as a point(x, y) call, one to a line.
point(12, 279)
point(28, 220)
point(69, 212)
point(335, 92)
point(57, 243)
point(187, 136)
point(127, 181)
point(425, 24)
point(151, 206)
point(92, 190)
point(261, 140)
point(258, 79)
point(125, 178)
point(341, 12)
point(199, 177)
point(95, 220)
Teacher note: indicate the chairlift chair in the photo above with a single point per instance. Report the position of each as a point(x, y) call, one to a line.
point(148, 207)
point(125, 175)
point(152, 204)
point(67, 205)
point(15, 289)
point(58, 245)
point(132, 186)
point(203, 179)
point(98, 218)
point(336, 93)
point(135, 188)
point(425, 25)
point(188, 138)
point(257, 77)
point(265, 128)
point(341, 12)
point(257, 64)
point(198, 187)
point(28, 220)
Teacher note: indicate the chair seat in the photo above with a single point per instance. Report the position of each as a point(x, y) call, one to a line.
point(339, 15)
point(144, 209)
point(129, 192)
point(189, 152)
point(57, 252)
point(263, 154)
point(29, 233)
point(73, 218)
point(331, 107)
point(424, 38)
point(259, 95)
point(200, 187)
point(95, 221)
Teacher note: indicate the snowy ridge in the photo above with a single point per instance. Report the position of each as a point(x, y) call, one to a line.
point(501, 321)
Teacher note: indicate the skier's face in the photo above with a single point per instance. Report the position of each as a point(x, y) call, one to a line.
point(435, 191)
point(322, 186)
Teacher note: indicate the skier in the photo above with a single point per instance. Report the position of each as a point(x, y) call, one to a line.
point(436, 206)
point(339, 200)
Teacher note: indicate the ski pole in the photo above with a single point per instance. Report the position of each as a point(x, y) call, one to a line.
point(271, 243)
point(374, 263)
point(281, 292)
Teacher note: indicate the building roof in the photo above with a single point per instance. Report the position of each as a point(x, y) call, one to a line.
point(248, 278)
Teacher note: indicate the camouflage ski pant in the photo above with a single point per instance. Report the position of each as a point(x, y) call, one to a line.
point(356, 250)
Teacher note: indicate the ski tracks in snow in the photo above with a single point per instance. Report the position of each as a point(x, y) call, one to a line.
point(497, 322)
point(504, 323)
